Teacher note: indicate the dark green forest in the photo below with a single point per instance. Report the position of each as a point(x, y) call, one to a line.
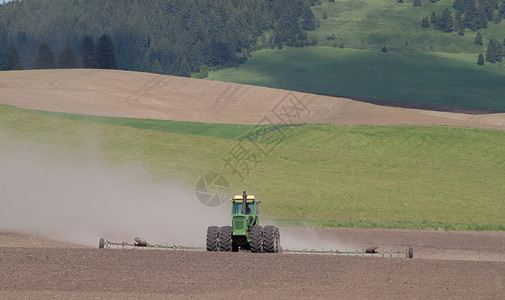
point(162, 36)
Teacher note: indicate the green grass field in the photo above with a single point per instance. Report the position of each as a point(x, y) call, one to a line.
point(371, 24)
point(319, 175)
point(432, 78)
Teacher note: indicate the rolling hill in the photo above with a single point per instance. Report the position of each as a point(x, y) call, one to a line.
point(150, 96)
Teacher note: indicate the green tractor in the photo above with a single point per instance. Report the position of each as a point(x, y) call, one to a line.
point(245, 232)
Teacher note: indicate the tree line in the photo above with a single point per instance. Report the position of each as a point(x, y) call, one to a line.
point(176, 37)
point(102, 57)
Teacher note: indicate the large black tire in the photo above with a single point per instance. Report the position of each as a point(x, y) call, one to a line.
point(257, 239)
point(411, 252)
point(278, 248)
point(269, 241)
point(101, 244)
point(212, 238)
point(225, 238)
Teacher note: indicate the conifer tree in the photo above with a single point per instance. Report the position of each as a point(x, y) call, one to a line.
point(417, 2)
point(105, 55)
point(184, 68)
point(12, 60)
point(446, 22)
point(497, 49)
point(433, 19)
point(478, 39)
point(471, 15)
point(68, 58)
point(425, 23)
point(308, 19)
point(87, 52)
point(45, 58)
point(482, 18)
point(480, 59)
point(491, 52)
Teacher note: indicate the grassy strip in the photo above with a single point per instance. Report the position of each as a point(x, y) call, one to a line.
point(225, 131)
point(424, 225)
point(430, 78)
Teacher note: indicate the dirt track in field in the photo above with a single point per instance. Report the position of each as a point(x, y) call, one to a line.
point(446, 265)
point(142, 95)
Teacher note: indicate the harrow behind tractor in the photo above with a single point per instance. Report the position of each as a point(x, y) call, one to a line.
point(245, 233)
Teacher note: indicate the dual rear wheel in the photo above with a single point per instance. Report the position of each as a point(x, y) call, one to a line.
point(267, 239)
point(219, 238)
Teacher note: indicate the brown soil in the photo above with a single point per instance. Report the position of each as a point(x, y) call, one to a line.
point(445, 265)
point(142, 95)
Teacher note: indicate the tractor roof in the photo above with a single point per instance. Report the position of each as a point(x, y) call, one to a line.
point(240, 198)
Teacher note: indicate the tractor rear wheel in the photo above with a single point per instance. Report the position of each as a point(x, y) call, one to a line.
point(411, 252)
point(269, 240)
point(225, 238)
point(257, 239)
point(101, 244)
point(277, 240)
point(212, 238)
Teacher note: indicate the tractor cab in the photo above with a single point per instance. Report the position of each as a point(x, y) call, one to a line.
point(244, 214)
point(238, 205)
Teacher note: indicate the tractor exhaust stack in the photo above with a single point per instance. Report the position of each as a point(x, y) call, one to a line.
point(244, 203)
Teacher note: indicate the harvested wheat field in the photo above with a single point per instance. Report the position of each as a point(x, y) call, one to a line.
point(149, 96)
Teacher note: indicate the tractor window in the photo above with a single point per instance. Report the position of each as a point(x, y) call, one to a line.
point(250, 208)
point(237, 208)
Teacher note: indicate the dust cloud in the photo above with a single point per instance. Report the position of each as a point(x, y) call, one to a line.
point(313, 238)
point(78, 201)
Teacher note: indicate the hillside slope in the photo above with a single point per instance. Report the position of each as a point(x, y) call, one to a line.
point(421, 65)
point(149, 96)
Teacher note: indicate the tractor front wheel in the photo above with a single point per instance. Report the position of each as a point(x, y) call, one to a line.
point(225, 238)
point(257, 239)
point(212, 238)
